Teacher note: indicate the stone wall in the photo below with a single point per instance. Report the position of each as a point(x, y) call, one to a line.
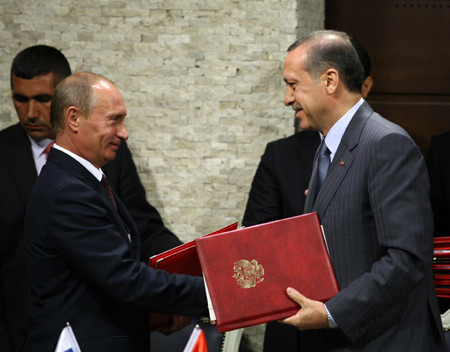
point(202, 81)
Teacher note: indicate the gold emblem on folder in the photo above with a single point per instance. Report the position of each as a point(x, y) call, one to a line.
point(248, 274)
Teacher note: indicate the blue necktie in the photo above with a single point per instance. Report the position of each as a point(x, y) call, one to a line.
point(322, 165)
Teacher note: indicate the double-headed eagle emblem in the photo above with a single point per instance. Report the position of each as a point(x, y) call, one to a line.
point(248, 274)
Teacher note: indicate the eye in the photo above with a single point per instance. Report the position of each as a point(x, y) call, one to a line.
point(43, 98)
point(20, 98)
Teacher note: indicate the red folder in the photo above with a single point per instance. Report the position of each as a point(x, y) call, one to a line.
point(182, 259)
point(248, 270)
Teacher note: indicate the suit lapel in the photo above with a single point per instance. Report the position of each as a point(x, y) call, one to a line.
point(121, 216)
point(19, 161)
point(342, 162)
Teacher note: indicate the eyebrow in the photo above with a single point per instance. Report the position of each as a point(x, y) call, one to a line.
point(34, 97)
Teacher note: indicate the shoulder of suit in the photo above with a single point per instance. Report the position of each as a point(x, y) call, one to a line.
point(443, 138)
point(13, 135)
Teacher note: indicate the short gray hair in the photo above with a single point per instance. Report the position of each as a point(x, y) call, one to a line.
point(76, 90)
point(332, 49)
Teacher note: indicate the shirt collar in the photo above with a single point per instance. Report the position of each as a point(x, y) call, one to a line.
point(96, 172)
point(334, 136)
point(38, 146)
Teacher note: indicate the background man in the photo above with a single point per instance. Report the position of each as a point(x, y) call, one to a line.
point(35, 72)
point(82, 245)
point(278, 191)
point(374, 208)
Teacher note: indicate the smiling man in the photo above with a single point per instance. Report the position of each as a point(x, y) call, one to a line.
point(35, 73)
point(82, 245)
point(373, 205)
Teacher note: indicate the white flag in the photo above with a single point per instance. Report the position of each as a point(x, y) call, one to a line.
point(67, 341)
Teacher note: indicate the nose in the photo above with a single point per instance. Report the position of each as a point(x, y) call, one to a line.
point(32, 110)
point(289, 96)
point(122, 132)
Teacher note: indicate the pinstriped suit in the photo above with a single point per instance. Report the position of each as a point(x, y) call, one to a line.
point(375, 210)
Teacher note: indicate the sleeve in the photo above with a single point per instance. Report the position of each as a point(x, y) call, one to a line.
point(124, 179)
point(264, 201)
point(399, 216)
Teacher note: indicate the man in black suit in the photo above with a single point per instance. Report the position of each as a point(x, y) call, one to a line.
point(278, 191)
point(82, 245)
point(371, 196)
point(35, 72)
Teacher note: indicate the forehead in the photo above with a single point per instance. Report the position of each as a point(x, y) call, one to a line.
point(39, 84)
point(295, 63)
point(108, 97)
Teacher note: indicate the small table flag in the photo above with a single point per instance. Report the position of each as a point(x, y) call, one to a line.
point(67, 341)
point(197, 341)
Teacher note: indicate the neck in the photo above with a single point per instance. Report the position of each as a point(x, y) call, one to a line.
point(341, 105)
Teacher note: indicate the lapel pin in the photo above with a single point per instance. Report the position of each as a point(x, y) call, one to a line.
point(341, 162)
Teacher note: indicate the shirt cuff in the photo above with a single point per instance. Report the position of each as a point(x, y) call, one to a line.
point(331, 323)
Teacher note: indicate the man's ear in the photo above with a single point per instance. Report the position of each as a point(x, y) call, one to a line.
point(366, 86)
point(332, 80)
point(73, 118)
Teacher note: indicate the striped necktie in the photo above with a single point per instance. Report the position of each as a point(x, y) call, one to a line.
point(323, 164)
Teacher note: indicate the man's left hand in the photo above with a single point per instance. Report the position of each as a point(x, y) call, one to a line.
point(312, 314)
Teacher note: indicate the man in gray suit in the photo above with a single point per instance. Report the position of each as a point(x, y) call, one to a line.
point(374, 205)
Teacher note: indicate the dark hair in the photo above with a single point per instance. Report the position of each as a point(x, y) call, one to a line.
point(39, 60)
point(76, 90)
point(332, 49)
point(363, 56)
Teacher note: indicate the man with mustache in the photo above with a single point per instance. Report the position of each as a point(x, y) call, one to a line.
point(370, 188)
point(35, 73)
point(82, 245)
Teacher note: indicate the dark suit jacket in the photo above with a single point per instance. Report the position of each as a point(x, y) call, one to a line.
point(83, 261)
point(17, 176)
point(277, 192)
point(438, 162)
point(375, 209)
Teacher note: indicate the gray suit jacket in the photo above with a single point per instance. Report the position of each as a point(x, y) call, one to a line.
point(375, 210)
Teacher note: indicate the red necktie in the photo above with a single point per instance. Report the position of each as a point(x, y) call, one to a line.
point(47, 149)
point(105, 184)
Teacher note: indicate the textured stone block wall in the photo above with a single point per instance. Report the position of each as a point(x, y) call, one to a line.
point(202, 81)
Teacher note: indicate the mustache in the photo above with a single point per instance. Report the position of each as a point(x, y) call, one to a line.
point(36, 122)
point(296, 107)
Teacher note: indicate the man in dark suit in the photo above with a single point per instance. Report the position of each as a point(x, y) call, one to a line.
point(82, 245)
point(35, 72)
point(278, 191)
point(373, 204)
